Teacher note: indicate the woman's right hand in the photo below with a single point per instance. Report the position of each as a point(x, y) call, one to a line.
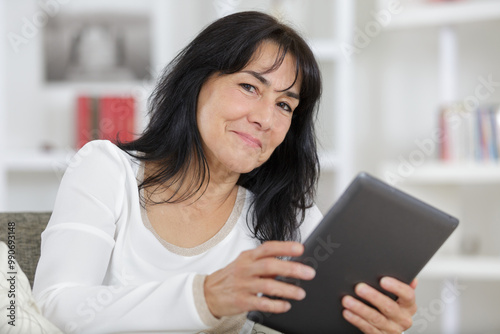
point(235, 288)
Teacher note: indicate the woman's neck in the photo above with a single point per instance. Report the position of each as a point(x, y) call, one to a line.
point(190, 222)
point(215, 190)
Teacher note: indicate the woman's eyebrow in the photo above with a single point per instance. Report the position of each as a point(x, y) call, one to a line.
point(266, 82)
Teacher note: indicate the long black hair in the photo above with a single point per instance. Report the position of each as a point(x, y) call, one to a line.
point(284, 186)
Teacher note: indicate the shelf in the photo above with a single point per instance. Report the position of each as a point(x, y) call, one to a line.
point(442, 173)
point(57, 160)
point(443, 13)
point(463, 267)
point(37, 161)
point(115, 87)
point(325, 49)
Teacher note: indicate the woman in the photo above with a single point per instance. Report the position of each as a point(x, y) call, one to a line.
point(171, 232)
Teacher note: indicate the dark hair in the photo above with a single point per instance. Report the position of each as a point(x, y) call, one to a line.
point(284, 186)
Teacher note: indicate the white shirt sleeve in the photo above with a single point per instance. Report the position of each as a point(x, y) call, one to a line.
point(75, 254)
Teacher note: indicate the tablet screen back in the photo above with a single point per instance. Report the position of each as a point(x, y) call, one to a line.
point(373, 230)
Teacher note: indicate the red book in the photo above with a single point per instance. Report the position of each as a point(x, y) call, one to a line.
point(444, 152)
point(116, 118)
point(83, 121)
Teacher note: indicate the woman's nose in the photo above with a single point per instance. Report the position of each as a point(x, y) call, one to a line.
point(262, 115)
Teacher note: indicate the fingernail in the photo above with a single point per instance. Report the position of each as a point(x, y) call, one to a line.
point(386, 281)
point(308, 272)
point(348, 301)
point(361, 289)
point(297, 248)
point(301, 294)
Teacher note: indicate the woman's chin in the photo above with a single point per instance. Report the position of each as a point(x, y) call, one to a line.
point(243, 167)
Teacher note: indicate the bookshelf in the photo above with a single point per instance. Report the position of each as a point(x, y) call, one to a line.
point(432, 54)
point(38, 117)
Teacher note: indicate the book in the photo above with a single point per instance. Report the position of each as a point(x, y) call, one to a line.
point(105, 117)
point(469, 135)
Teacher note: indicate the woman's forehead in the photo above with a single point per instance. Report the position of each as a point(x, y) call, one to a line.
point(269, 57)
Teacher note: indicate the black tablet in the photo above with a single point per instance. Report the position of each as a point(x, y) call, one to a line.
point(373, 230)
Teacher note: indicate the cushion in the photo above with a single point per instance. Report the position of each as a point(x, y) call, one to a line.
point(19, 314)
point(28, 228)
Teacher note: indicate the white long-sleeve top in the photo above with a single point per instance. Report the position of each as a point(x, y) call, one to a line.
point(103, 268)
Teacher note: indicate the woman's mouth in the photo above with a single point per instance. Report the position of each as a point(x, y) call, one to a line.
point(251, 141)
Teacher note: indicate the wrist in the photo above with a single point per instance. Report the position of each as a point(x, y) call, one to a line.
point(200, 302)
point(209, 298)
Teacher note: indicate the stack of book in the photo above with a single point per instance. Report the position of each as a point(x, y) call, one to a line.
point(105, 117)
point(470, 134)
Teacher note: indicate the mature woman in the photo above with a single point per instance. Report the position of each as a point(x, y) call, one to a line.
point(181, 230)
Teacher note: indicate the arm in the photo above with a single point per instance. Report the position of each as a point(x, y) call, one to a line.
point(76, 250)
point(149, 307)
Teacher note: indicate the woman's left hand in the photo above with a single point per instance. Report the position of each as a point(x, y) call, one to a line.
point(392, 316)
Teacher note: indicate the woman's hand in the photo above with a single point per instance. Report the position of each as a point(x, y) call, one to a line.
point(393, 317)
point(233, 289)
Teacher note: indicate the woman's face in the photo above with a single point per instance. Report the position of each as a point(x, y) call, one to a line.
point(242, 117)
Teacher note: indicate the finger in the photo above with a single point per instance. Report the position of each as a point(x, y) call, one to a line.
point(277, 248)
point(405, 292)
point(271, 287)
point(414, 284)
point(359, 322)
point(265, 304)
point(272, 267)
point(387, 307)
point(368, 317)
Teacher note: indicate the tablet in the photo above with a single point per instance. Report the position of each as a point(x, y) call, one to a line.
point(373, 230)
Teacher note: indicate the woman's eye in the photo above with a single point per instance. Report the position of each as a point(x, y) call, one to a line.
point(248, 87)
point(284, 106)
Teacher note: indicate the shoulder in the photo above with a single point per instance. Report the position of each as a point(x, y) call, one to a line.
point(100, 168)
point(99, 154)
point(96, 183)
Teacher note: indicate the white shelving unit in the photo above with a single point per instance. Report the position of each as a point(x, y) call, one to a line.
point(456, 187)
point(3, 108)
point(418, 14)
point(19, 166)
point(344, 15)
point(37, 161)
point(435, 173)
point(475, 268)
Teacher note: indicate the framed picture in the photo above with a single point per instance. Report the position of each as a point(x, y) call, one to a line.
point(97, 47)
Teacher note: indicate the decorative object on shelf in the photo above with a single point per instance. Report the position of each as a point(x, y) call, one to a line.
point(106, 117)
point(471, 244)
point(470, 135)
point(97, 48)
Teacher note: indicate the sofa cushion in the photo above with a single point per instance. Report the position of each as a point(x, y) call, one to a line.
point(28, 226)
point(20, 314)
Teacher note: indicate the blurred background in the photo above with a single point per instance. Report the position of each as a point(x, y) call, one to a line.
point(411, 95)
